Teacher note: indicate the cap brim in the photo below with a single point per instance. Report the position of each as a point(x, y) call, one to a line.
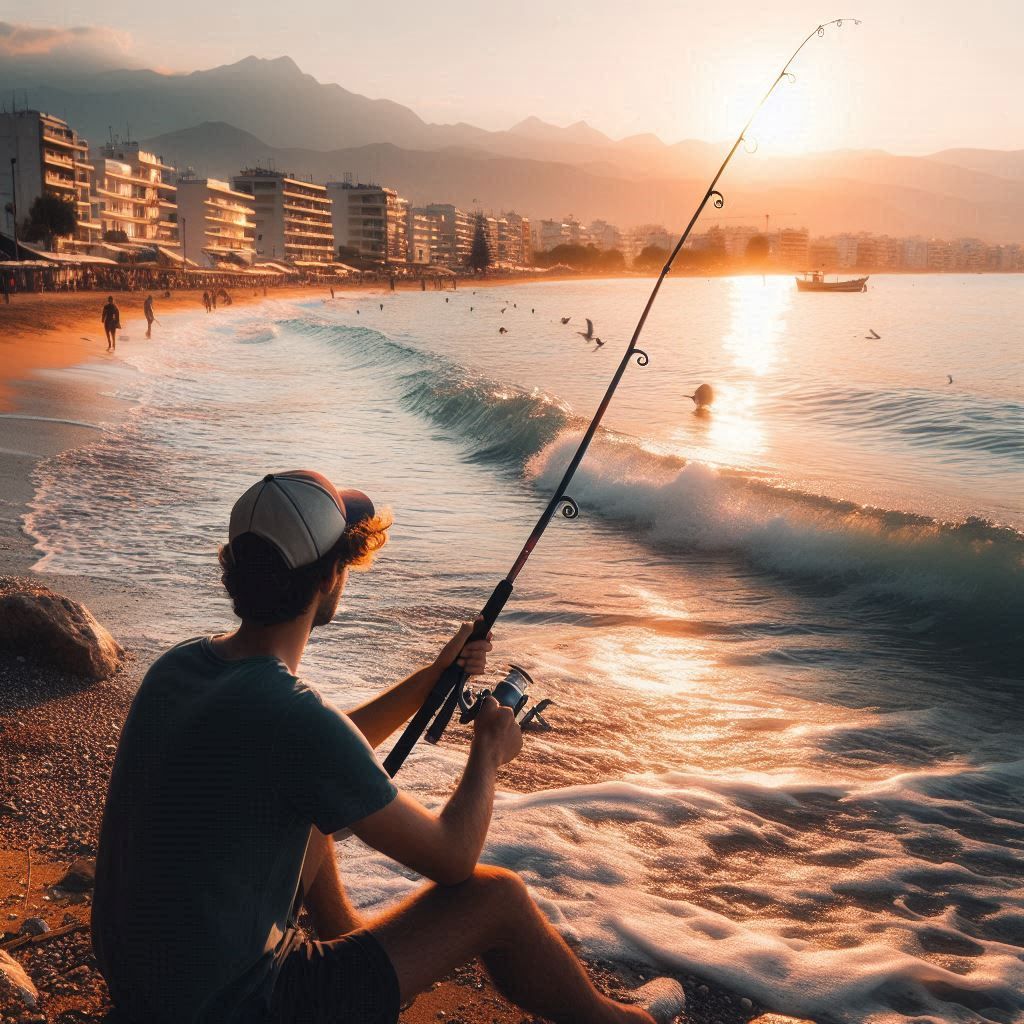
point(356, 507)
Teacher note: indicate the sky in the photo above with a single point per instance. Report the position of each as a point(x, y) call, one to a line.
point(914, 77)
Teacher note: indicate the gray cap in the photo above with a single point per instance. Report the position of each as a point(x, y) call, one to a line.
point(301, 513)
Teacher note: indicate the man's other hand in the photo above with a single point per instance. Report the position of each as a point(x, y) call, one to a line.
point(470, 655)
point(497, 731)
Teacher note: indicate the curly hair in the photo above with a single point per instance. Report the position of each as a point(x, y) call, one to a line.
point(265, 591)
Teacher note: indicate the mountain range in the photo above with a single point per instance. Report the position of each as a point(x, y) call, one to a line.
point(268, 112)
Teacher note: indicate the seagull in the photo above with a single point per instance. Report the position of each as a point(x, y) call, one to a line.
point(503, 330)
point(949, 378)
point(703, 396)
point(446, 298)
point(873, 336)
point(588, 335)
point(598, 342)
point(503, 308)
point(566, 319)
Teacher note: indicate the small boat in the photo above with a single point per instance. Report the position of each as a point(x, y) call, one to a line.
point(814, 281)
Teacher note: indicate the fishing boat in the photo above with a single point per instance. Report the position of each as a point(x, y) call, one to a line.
point(814, 281)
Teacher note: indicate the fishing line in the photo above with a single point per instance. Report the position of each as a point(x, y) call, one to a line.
point(450, 691)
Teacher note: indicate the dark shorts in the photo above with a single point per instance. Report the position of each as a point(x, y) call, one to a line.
point(348, 980)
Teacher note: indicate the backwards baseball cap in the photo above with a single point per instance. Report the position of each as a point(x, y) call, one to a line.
point(301, 513)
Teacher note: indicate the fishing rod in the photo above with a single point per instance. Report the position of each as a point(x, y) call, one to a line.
point(450, 691)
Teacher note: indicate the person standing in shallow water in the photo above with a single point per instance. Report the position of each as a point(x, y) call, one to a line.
point(147, 309)
point(111, 317)
point(231, 777)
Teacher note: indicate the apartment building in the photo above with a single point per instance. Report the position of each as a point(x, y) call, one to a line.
point(455, 230)
point(292, 217)
point(133, 195)
point(50, 158)
point(514, 246)
point(370, 221)
point(216, 223)
point(424, 235)
point(794, 248)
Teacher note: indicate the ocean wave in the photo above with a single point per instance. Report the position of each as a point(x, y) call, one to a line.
point(865, 551)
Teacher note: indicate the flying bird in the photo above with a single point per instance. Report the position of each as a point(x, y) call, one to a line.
point(503, 308)
point(587, 335)
point(503, 330)
point(598, 342)
point(703, 396)
point(873, 336)
point(566, 319)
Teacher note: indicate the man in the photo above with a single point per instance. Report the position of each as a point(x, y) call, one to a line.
point(111, 317)
point(147, 309)
point(231, 777)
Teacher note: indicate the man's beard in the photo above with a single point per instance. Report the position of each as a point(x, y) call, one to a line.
point(328, 606)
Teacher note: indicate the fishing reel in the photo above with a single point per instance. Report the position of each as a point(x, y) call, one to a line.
point(510, 692)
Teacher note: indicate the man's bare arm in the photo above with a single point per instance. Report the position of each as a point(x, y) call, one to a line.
point(445, 847)
point(378, 718)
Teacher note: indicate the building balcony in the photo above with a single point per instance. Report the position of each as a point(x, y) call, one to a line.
point(55, 181)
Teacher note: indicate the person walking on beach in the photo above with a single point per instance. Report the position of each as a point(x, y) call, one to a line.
point(232, 776)
point(206, 301)
point(111, 317)
point(147, 309)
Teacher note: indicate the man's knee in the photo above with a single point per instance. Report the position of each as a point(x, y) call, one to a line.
point(500, 888)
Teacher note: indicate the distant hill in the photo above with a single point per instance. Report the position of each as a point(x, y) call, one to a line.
point(259, 110)
point(829, 193)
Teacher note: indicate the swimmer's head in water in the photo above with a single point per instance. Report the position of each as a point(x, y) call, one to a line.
point(704, 395)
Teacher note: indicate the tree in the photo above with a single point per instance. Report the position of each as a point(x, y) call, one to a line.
point(651, 257)
point(480, 254)
point(50, 218)
point(757, 249)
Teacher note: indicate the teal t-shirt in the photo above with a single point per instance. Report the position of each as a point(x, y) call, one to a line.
point(222, 769)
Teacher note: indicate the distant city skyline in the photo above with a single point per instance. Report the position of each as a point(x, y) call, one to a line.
point(913, 78)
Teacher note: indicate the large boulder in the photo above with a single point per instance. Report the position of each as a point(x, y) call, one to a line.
point(56, 630)
point(15, 984)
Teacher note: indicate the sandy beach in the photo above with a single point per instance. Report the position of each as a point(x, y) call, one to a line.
point(58, 737)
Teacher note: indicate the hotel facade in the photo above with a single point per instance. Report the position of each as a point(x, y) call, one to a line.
point(371, 221)
point(133, 195)
point(49, 158)
point(292, 217)
point(216, 223)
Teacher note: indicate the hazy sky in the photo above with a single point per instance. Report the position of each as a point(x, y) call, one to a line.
point(915, 77)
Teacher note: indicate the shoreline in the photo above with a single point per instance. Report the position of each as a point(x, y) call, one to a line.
point(58, 738)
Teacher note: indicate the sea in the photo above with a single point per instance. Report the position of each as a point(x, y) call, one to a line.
point(783, 638)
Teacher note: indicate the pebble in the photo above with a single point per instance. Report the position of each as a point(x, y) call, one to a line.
point(34, 926)
point(746, 1003)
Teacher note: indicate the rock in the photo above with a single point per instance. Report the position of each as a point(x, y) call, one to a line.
point(80, 877)
point(779, 1018)
point(746, 1003)
point(34, 926)
point(56, 630)
point(15, 981)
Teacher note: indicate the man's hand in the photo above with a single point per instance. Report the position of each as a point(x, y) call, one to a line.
point(496, 732)
point(470, 655)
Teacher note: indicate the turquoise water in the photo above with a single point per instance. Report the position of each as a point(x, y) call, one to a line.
point(784, 638)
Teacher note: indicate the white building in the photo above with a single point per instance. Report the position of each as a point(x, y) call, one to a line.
point(293, 217)
point(455, 230)
point(216, 224)
point(370, 221)
point(133, 195)
point(49, 158)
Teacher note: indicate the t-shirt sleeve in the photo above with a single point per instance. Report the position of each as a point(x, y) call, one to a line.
point(331, 775)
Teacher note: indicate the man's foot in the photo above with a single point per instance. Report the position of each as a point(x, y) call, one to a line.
point(663, 998)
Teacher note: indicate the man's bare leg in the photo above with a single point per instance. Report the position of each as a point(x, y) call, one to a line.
point(324, 897)
point(492, 915)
